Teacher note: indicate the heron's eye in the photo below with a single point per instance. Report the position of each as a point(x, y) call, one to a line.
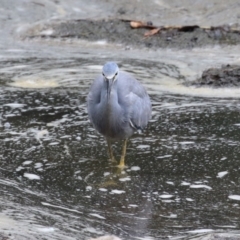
point(114, 78)
point(104, 77)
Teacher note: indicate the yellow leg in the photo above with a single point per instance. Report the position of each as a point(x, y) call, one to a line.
point(110, 151)
point(122, 160)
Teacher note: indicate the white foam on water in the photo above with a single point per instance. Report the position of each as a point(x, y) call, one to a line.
point(165, 196)
point(170, 216)
point(200, 186)
point(27, 162)
point(132, 205)
point(31, 176)
point(14, 105)
point(201, 231)
point(184, 143)
point(53, 143)
point(185, 183)
point(103, 189)
point(47, 32)
point(97, 215)
point(89, 188)
point(115, 191)
point(34, 82)
point(46, 229)
point(164, 156)
point(222, 174)
point(189, 199)
point(143, 146)
point(135, 168)
point(60, 207)
point(234, 197)
point(124, 179)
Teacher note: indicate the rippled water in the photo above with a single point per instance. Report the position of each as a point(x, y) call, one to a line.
point(56, 180)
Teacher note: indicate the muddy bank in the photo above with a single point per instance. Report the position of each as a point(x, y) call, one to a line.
point(120, 32)
point(226, 76)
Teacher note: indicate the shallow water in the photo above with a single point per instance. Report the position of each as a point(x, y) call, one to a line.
point(56, 180)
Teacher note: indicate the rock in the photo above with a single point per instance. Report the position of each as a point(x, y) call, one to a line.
point(226, 76)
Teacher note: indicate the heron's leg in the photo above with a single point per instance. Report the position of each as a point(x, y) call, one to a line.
point(122, 160)
point(110, 151)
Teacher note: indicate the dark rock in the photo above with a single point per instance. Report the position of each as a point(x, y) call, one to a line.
point(226, 76)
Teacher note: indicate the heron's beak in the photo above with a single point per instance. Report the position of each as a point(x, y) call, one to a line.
point(109, 86)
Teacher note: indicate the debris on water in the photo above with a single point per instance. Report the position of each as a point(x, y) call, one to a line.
point(152, 32)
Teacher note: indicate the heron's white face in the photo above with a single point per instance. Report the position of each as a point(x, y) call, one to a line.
point(111, 77)
point(110, 71)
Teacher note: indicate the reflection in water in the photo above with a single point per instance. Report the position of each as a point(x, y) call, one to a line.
point(182, 174)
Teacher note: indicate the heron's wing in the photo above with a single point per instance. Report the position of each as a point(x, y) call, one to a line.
point(137, 101)
point(140, 111)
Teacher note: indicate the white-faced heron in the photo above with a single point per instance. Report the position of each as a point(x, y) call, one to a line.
point(118, 105)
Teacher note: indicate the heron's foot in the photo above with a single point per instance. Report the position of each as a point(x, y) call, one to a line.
point(121, 164)
point(112, 159)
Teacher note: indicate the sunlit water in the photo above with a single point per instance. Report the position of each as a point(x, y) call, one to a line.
point(56, 180)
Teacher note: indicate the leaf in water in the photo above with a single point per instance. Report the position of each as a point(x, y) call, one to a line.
point(137, 24)
point(152, 32)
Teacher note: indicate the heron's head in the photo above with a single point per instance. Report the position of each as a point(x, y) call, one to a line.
point(110, 74)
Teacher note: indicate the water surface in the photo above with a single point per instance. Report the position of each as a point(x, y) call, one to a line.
point(56, 180)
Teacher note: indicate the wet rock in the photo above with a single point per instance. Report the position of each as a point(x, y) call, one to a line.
point(226, 76)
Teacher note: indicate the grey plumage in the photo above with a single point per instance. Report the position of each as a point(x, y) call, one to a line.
point(118, 104)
